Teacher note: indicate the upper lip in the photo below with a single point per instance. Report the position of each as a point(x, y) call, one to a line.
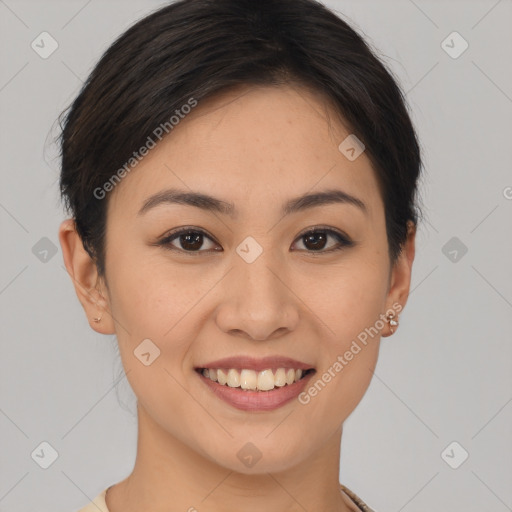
point(257, 364)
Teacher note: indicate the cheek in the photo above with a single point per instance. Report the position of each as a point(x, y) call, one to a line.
point(347, 298)
point(345, 371)
point(154, 340)
point(148, 294)
point(349, 306)
point(161, 303)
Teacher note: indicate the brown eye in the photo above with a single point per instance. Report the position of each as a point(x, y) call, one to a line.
point(316, 240)
point(191, 241)
point(187, 240)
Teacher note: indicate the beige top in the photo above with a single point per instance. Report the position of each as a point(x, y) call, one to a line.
point(99, 504)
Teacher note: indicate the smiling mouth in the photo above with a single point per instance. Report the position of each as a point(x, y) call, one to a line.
point(251, 380)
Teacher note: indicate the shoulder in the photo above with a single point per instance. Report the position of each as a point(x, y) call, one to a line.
point(362, 506)
point(99, 504)
point(96, 505)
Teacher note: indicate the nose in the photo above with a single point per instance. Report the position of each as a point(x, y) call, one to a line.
point(257, 300)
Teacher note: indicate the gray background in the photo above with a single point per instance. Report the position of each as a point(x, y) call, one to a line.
point(445, 376)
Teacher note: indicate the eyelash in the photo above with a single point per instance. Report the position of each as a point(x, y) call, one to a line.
point(343, 241)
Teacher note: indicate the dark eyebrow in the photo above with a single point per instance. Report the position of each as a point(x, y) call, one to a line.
point(330, 196)
point(203, 201)
point(210, 203)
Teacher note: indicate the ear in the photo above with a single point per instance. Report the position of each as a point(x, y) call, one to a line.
point(91, 290)
point(400, 279)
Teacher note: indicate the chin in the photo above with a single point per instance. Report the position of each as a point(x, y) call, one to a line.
point(252, 458)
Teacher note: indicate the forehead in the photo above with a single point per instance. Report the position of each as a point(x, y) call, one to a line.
point(249, 145)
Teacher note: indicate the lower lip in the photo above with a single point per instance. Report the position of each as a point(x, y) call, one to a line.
point(257, 400)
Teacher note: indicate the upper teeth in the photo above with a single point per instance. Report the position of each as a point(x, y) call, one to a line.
point(249, 379)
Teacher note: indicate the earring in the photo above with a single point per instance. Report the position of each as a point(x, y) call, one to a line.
point(97, 319)
point(390, 318)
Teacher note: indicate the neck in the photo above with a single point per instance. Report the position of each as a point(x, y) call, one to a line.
point(169, 472)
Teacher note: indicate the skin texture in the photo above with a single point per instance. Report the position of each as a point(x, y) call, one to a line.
point(255, 147)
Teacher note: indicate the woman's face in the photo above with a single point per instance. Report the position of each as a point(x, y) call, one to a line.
point(255, 284)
